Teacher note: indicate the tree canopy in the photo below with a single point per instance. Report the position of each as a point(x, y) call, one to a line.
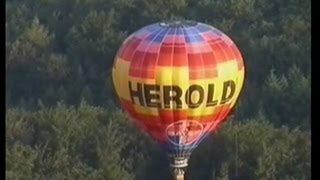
point(63, 121)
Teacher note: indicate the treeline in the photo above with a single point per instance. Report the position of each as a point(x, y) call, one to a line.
point(89, 142)
point(63, 50)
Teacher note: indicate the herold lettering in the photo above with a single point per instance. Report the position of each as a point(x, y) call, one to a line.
point(149, 95)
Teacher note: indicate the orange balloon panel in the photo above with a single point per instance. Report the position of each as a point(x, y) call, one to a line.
point(178, 81)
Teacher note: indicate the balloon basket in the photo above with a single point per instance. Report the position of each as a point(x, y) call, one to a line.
point(179, 166)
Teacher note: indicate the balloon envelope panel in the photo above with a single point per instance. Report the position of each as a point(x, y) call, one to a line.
point(178, 81)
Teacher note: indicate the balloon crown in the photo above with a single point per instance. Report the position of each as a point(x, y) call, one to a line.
point(175, 24)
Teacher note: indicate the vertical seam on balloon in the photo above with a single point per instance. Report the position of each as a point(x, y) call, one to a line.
point(195, 144)
point(143, 39)
point(234, 100)
point(155, 77)
point(178, 151)
point(234, 59)
point(134, 51)
point(148, 110)
point(128, 75)
point(188, 72)
point(188, 80)
point(212, 124)
point(219, 118)
point(179, 148)
point(156, 35)
point(238, 83)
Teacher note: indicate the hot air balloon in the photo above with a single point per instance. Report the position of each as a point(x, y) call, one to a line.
point(178, 80)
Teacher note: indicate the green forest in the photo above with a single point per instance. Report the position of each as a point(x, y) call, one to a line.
point(63, 120)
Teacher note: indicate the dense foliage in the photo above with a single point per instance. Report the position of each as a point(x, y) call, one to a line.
point(87, 142)
point(63, 50)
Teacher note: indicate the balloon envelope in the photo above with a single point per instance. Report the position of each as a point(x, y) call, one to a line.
point(178, 81)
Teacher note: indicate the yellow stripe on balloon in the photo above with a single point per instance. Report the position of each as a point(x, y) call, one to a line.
point(167, 76)
point(239, 84)
point(120, 77)
point(227, 69)
point(178, 76)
